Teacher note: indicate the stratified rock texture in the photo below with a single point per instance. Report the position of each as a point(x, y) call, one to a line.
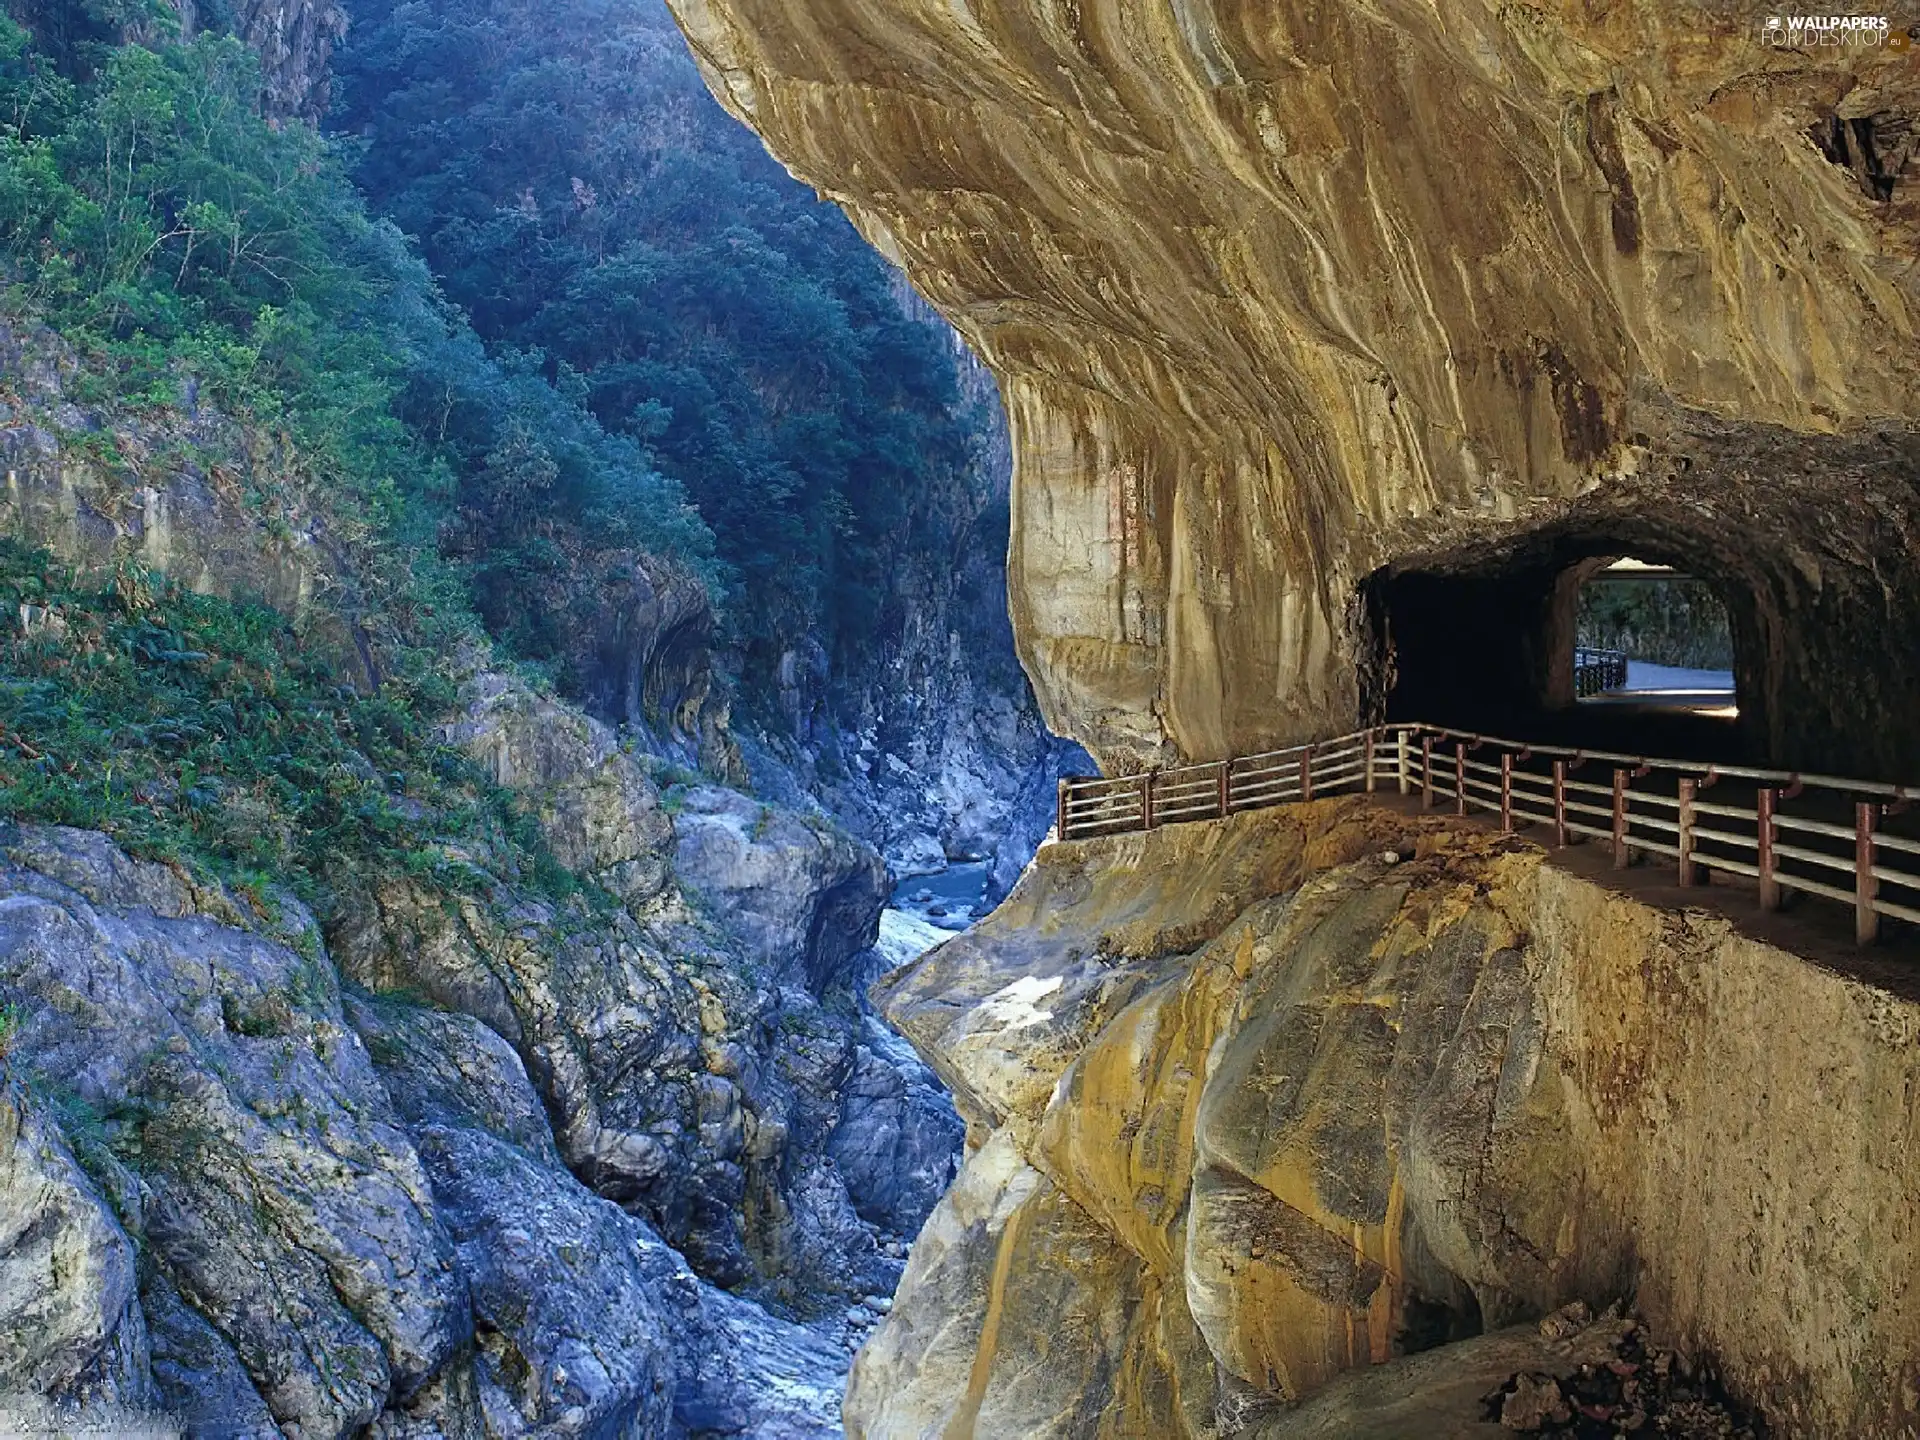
point(1330, 332)
point(1263, 1102)
point(238, 1193)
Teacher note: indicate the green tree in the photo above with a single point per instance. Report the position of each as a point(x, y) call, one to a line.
point(575, 188)
point(153, 216)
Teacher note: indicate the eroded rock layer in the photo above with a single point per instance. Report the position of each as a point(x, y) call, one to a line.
point(1316, 319)
point(1259, 1103)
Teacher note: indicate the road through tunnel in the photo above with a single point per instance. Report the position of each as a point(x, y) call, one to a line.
point(1822, 611)
point(1489, 646)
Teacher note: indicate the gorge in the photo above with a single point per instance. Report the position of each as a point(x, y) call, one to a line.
point(1340, 342)
point(438, 879)
point(502, 606)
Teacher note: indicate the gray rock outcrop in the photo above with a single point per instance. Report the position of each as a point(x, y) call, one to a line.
point(70, 1327)
point(235, 1193)
point(239, 1126)
point(800, 892)
point(462, 1164)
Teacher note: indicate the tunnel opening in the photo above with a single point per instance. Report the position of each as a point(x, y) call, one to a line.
point(1646, 634)
point(1502, 642)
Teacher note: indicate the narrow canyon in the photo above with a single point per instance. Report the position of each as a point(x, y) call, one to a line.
point(1341, 344)
point(573, 573)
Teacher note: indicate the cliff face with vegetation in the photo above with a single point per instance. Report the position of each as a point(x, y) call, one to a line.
point(412, 1052)
point(387, 1044)
point(390, 1044)
point(1316, 322)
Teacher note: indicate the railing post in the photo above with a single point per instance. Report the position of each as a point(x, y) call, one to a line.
point(1460, 778)
point(1146, 799)
point(1369, 762)
point(1426, 772)
point(1060, 809)
point(1866, 920)
point(1226, 788)
point(1506, 791)
point(1405, 763)
point(1769, 881)
point(1560, 804)
point(1306, 774)
point(1687, 875)
point(1619, 819)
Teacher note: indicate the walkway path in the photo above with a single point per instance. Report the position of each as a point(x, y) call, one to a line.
point(1813, 927)
point(1852, 842)
point(1644, 676)
point(1669, 687)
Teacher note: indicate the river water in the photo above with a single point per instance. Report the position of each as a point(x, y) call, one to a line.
point(952, 899)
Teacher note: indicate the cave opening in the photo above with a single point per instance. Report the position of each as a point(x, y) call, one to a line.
point(1503, 642)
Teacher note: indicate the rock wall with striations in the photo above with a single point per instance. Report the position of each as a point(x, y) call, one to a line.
point(1258, 1103)
point(1316, 322)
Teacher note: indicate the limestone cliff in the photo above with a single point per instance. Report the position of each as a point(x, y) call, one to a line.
point(1257, 1103)
point(294, 39)
point(1318, 321)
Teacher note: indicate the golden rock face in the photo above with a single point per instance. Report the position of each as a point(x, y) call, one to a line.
point(1295, 1111)
point(1288, 299)
point(1336, 338)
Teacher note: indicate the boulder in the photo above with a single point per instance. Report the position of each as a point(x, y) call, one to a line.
point(571, 1339)
point(796, 890)
point(897, 1142)
point(588, 1323)
point(71, 1328)
point(596, 805)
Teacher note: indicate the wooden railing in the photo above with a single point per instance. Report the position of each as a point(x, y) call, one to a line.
point(1598, 670)
point(1845, 840)
point(1218, 789)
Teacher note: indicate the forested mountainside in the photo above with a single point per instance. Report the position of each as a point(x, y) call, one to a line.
point(639, 369)
point(585, 202)
point(461, 648)
point(582, 198)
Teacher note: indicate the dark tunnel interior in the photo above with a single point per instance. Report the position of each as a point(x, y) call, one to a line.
point(1810, 543)
point(1491, 650)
